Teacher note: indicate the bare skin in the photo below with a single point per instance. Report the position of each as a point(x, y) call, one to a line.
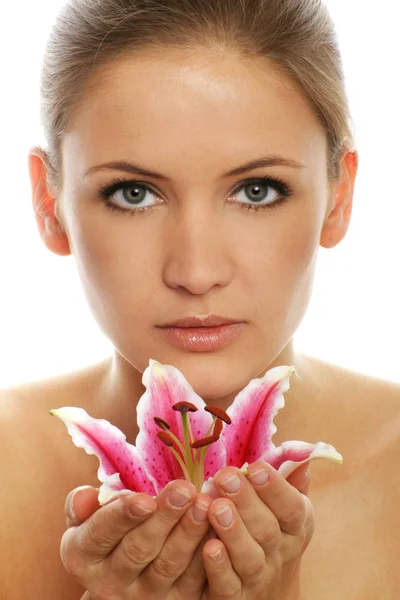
point(195, 251)
point(356, 519)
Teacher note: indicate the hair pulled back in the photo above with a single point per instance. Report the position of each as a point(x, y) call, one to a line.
point(297, 35)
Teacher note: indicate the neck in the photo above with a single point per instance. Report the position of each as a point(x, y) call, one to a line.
point(120, 388)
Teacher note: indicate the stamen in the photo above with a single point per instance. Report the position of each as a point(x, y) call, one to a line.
point(217, 427)
point(216, 411)
point(206, 441)
point(166, 438)
point(161, 423)
point(184, 407)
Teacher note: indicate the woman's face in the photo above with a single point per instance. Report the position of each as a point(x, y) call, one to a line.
point(196, 247)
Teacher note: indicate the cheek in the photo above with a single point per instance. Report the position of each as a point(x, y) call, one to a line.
point(283, 252)
point(279, 265)
point(112, 263)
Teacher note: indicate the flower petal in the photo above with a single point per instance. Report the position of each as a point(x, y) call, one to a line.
point(111, 486)
point(252, 413)
point(108, 443)
point(167, 386)
point(290, 455)
point(209, 488)
point(286, 459)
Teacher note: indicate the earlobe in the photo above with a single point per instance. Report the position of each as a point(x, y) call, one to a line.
point(337, 221)
point(49, 226)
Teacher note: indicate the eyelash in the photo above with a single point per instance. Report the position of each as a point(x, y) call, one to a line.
point(117, 184)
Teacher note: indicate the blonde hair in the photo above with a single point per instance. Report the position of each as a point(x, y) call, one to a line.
point(298, 36)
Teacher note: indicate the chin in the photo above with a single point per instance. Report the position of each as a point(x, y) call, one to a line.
point(214, 375)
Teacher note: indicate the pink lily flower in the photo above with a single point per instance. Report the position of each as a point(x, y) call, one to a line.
point(180, 437)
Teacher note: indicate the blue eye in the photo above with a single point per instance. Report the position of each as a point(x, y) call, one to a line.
point(256, 191)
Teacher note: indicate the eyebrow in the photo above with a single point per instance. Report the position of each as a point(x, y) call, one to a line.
point(264, 161)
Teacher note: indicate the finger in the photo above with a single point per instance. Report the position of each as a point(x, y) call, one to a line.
point(222, 580)
point(86, 545)
point(80, 504)
point(194, 577)
point(290, 507)
point(196, 570)
point(141, 545)
point(177, 553)
point(300, 478)
point(246, 555)
point(258, 518)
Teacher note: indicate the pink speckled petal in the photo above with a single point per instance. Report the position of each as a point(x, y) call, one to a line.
point(166, 386)
point(108, 443)
point(290, 455)
point(252, 413)
point(215, 458)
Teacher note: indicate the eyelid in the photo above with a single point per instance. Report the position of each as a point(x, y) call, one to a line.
point(274, 181)
point(281, 187)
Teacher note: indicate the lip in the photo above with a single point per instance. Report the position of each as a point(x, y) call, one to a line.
point(209, 321)
point(202, 339)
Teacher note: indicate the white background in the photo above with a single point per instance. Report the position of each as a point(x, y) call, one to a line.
point(353, 320)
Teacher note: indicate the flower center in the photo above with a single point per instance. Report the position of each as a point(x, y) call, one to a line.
point(191, 453)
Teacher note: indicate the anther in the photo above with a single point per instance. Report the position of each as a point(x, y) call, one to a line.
point(205, 441)
point(219, 413)
point(184, 407)
point(217, 427)
point(161, 423)
point(165, 438)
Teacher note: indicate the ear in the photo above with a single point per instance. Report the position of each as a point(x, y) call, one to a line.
point(44, 204)
point(337, 219)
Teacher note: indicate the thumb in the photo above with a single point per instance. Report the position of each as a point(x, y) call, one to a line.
point(300, 478)
point(80, 504)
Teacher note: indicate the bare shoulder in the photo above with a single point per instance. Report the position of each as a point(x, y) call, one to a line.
point(39, 467)
point(36, 441)
point(364, 408)
point(356, 503)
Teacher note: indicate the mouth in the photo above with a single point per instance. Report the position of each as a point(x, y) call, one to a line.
point(203, 338)
point(202, 322)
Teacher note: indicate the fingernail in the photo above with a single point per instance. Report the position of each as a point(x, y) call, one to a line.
point(259, 477)
point(224, 516)
point(70, 507)
point(179, 498)
point(217, 556)
point(232, 484)
point(200, 512)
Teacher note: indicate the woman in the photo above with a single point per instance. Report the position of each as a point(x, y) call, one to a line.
point(229, 122)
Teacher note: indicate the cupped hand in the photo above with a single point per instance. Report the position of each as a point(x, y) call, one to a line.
point(121, 552)
point(263, 528)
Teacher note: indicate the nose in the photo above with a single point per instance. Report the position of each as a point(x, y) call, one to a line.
point(197, 254)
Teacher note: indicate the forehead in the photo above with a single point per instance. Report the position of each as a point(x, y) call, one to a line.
point(164, 107)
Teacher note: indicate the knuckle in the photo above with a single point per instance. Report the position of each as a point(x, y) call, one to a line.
point(255, 570)
point(166, 567)
point(136, 552)
point(297, 512)
point(70, 556)
point(93, 537)
point(268, 534)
